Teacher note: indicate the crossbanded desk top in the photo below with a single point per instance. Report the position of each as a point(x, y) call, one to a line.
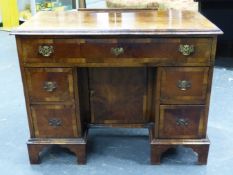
point(118, 22)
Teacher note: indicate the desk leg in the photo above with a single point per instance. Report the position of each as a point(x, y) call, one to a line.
point(33, 152)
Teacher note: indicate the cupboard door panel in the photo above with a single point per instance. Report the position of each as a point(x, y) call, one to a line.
point(118, 95)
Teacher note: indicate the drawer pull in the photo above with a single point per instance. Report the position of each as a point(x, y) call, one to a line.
point(45, 50)
point(184, 85)
point(182, 122)
point(50, 86)
point(117, 51)
point(186, 49)
point(55, 122)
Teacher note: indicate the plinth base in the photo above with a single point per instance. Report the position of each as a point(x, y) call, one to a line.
point(200, 146)
point(76, 145)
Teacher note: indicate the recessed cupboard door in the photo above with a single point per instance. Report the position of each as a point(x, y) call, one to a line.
point(118, 95)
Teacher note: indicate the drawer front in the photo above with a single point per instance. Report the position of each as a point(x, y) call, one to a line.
point(50, 84)
point(142, 51)
point(50, 50)
point(181, 121)
point(187, 85)
point(54, 121)
point(191, 50)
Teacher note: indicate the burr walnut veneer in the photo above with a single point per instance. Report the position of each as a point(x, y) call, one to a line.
point(114, 68)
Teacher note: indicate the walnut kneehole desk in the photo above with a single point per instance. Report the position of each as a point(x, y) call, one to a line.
point(108, 68)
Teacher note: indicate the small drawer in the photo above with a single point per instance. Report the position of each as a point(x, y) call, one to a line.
point(50, 84)
point(178, 121)
point(54, 121)
point(50, 50)
point(157, 50)
point(184, 85)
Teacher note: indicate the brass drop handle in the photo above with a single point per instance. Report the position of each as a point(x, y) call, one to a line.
point(186, 49)
point(45, 50)
point(184, 85)
point(54, 122)
point(117, 51)
point(182, 122)
point(50, 86)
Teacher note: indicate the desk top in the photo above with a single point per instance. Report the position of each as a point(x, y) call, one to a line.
point(118, 22)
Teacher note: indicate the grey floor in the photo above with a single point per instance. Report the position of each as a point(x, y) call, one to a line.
point(114, 151)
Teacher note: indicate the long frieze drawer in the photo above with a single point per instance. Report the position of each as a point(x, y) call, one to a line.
point(50, 84)
point(184, 85)
point(179, 121)
point(51, 121)
point(170, 50)
point(141, 50)
point(50, 50)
